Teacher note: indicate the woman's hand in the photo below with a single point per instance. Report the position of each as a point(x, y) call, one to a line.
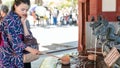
point(92, 57)
point(35, 51)
point(23, 19)
point(32, 50)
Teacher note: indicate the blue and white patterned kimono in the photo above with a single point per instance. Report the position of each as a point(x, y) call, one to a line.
point(11, 53)
point(0, 36)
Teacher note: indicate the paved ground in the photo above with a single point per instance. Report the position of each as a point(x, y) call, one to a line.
point(38, 63)
point(54, 38)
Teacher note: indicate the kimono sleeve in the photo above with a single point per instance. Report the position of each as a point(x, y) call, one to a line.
point(12, 35)
point(0, 28)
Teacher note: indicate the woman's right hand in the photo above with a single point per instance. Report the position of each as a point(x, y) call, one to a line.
point(32, 50)
point(35, 52)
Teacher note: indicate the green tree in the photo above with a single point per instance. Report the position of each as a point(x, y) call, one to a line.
point(38, 2)
point(68, 3)
point(0, 1)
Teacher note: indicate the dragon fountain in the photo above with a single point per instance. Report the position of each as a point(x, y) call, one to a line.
point(107, 37)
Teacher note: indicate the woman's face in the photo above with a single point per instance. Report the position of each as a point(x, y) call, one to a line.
point(3, 14)
point(21, 9)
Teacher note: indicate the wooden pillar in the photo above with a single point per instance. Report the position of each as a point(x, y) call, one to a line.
point(81, 24)
point(118, 8)
point(93, 9)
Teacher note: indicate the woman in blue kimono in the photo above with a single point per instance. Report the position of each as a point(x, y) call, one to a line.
point(11, 52)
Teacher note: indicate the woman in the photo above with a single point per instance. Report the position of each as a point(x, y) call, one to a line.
point(11, 53)
point(3, 12)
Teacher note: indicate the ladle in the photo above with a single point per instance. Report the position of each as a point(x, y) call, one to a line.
point(90, 57)
point(94, 52)
point(63, 59)
point(50, 55)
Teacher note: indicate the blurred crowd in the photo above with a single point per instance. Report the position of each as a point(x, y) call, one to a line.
point(43, 15)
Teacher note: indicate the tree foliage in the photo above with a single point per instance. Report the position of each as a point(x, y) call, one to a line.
point(0, 1)
point(68, 3)
point(39, 2)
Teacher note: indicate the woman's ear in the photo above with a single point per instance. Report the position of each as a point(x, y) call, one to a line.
point(15, 6)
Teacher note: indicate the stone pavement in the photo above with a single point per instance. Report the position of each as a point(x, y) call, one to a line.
point(38, 63)
point(55, 39)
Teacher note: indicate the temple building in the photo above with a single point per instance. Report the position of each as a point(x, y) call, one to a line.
point(109, 9)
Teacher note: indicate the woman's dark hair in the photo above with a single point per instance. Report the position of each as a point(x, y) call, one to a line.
point(4, 8)
point(18, 2)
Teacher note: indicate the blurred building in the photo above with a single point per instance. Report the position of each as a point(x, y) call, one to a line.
point(87, 9)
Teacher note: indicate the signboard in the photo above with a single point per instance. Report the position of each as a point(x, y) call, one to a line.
point(108, 5)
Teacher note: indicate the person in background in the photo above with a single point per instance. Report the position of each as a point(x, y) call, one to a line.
point(34, 17)
point(11, 52)
point(3, 12)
